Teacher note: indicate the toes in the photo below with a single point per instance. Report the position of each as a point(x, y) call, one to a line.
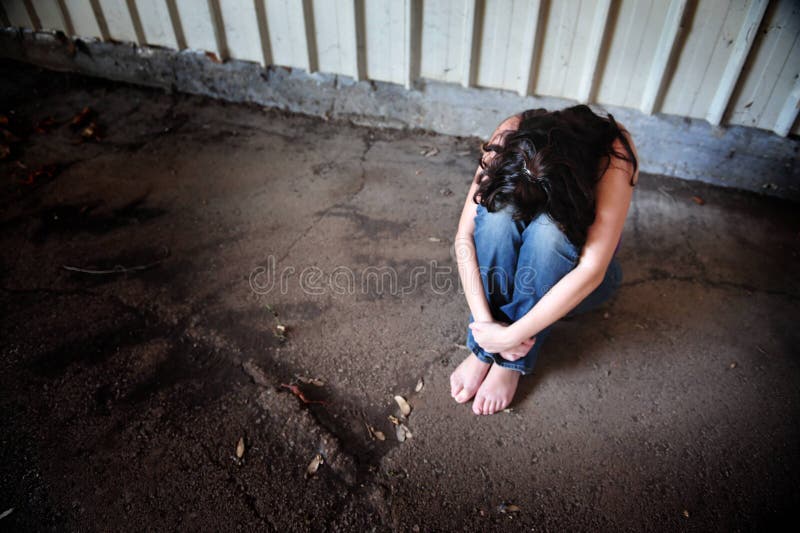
point(477, 405)
point(462, 396)
point(455, 387)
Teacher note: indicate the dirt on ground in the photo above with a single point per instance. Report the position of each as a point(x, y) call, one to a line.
point(209, 308)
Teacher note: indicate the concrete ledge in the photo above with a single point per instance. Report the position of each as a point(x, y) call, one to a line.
point(740, 157)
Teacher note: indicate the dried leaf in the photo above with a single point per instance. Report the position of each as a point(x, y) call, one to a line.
point(402, 432)
point(297, 392)
point(404, 407)
point(45, 125)
point(240, 448)
point(314, 465)
point(432, 152)
point(91, 132)
point(420, 385)
point(698, 200)
point(310, 381)
point(83, 118)
point(394, 420)
point(213, 57)
point(9, 136)
point(374, 433)
point(508, 508)
point(45, 172)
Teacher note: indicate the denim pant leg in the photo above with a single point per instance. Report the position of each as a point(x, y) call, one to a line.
point(546, 256)
point(498, 238)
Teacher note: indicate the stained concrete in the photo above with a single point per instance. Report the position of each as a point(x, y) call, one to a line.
point(738, 157)
point(128, 379)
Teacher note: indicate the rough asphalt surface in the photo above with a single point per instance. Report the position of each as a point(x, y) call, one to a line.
point(126, 384)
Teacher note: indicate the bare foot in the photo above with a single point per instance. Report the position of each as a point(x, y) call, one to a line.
point(496, 391)
point(465, 380)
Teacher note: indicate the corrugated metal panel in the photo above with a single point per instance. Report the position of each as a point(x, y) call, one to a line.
point(386, 40)
point(287, 33)
point(17, 13)
point(82, 17)
point(49, 14)
point(335, 32)
point(156, 23)
point(446, 33)
point(118, 20)
point(712, 59)
point(197, 24)
point(504, 27)
point(639, 25)
point(772, 70)
point(242, 34)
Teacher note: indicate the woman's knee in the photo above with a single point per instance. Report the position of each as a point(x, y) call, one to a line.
point(497, 226)
point(543, 237)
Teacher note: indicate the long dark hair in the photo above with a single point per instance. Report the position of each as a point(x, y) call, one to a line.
point(551, 164)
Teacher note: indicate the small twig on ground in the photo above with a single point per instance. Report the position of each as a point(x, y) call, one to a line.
point(297, 392)
point(118, 269)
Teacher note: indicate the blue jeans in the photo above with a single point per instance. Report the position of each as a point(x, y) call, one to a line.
point(519, 262)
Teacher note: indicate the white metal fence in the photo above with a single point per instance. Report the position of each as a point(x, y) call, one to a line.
point(726, 61)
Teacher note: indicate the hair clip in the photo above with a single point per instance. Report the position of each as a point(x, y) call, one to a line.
point(527, 172)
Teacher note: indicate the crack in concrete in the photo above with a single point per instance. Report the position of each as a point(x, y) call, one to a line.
point(363, 179)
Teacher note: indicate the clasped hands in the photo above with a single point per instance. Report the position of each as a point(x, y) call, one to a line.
point(498, 337)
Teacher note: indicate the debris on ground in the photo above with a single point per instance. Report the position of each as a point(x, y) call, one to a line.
point(240, 448)
point(405, 408)
point(698, 200)
point(402, 432)
point(46, 125)
point(374, 433)
point(314, 465)
point(86, 125)
point(280, 329)
point(297, 392)
point(508, 508)
point(429, 151)
point(43, 174)
point(420, 385)
point(310, 381)
point(256, 373)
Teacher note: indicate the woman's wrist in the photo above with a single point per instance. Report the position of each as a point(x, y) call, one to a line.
point(514, 334)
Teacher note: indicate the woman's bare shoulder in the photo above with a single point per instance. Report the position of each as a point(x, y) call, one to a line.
point(619, 147)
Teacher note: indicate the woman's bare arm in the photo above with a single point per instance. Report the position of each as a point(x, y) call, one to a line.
point(464, 242)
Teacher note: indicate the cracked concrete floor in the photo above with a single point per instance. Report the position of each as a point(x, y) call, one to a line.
point(124, 394)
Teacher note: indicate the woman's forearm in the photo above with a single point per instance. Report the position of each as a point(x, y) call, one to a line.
point(557, 302)
point(471, 278)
